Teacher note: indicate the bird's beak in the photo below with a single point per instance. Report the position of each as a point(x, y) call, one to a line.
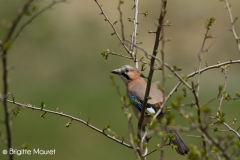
point(116, 71)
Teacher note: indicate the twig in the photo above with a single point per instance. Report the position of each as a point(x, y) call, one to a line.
point(134, 35)
point(192, 75)
point(163, 64)
point(213, 66)
point(230, 129)
point(208, 138)
point(200, 59)
point(155, 50)
point(232, 24)
point(34, 16)
point(117, 54)
point(163, 81)
point(201, 71)
point(210, 101)
point(194, 136)
point(129, 119)
point(212, 141)
point(115, 32)
point(121, 19)
point(4, 50)
point(17, 20)
point(223, 90)
point(151, 152)
point(196, 89)
point(72, 118)
point(162, 149)
point(147, 54)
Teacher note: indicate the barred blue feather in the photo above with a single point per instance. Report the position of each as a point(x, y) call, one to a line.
point(151, 109)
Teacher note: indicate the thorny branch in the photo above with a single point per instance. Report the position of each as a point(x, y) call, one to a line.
point(200, 54)
point(129, 118)
point(230, 129)
point(4, 47)
point(222, 95)
point(54, 2)
point(134, 34)
point(112, 25)
point(107, 52)
point(4, 50)
point(121, 19)
point(152, 61)
point(163, 78)
point(232, 24)
point(207, 137)
point(29, 106)
point(196, 89)
point(155, 50)
point(201, 71)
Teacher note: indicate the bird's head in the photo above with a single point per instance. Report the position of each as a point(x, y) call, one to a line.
point(127, 73)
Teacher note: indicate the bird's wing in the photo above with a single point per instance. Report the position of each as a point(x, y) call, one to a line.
point(151, 108)
point(155, 94)
point(136, 95)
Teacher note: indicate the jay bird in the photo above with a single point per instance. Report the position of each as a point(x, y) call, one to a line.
point(136, 87)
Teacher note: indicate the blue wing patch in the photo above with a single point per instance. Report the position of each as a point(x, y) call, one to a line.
point(138, 103)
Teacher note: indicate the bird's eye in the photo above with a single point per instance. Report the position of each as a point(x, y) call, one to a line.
point(126, 70)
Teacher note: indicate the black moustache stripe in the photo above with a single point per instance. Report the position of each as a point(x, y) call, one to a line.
point(126, 76)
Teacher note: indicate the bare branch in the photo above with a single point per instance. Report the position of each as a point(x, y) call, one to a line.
point(17, 20)
point(200, 57)
point(29, 106)
point(232, 24)
point(129, 119)
point(134, 34)
point(213, 66)
point(201, 71)
point(54, 2)
point(117, 54)
point(115, 32)
point(121, 19)
point(155, 50)
point(147, 54)
point(222, 94)
point(196, 89)
point(3, 51)
point(230, 129)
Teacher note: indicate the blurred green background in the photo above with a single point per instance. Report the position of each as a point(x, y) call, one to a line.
point(57, 60)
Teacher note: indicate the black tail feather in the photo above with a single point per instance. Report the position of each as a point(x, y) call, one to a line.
point(182, 148)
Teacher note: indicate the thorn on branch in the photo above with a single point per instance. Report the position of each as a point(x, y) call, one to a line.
point(13, 98)
point(238, 129)
point(122, 139)
point(133, 7)
point(206, 63)
point(88, 121)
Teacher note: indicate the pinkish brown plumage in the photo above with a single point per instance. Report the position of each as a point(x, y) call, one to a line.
point(136, 87)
